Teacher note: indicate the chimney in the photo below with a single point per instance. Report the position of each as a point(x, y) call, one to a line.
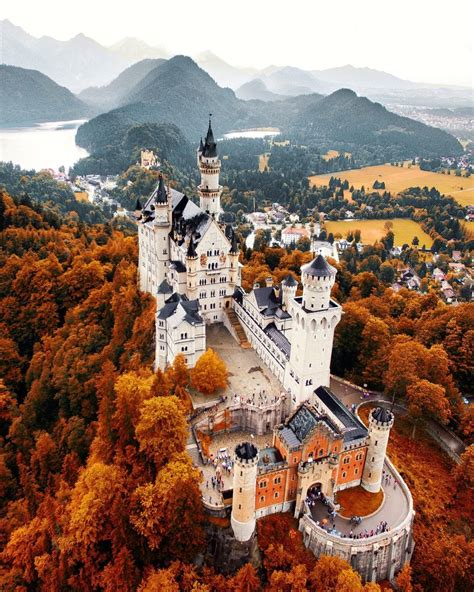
point(256, 285)
point(269, 282)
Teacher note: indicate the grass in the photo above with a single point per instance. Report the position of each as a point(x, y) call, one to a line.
point(373, 230)
point(397, 179)
point(356, 501)
point(330, 154)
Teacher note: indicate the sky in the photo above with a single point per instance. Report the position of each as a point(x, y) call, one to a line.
point(421, 40)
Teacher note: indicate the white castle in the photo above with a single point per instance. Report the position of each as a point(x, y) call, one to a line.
point(189, 261)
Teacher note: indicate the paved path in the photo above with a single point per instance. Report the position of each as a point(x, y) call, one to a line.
point(350, 394)
point(393, 511)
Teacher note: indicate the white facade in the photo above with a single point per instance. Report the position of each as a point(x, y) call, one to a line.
point(183, 250)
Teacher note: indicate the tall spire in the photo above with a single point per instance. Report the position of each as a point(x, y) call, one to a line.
point(161, 196)
point(210, 146)
point(191, 249)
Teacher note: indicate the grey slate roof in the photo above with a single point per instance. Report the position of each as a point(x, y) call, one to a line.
point(290, 281)
point(353, 427)
point(191, 308)
point(278, 339)
point(319, 267)
point(164, 288)
point(383, 415)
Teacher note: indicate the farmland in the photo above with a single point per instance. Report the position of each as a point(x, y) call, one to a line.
point(397, 179)
point(404, 230)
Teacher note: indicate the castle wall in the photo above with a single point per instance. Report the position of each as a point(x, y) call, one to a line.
point(375, 558)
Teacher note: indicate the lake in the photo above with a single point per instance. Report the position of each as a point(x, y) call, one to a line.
point(42, 146)
point(253, 133)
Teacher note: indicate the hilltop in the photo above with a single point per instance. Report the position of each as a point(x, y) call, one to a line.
point(27, 96)
point(179, 91)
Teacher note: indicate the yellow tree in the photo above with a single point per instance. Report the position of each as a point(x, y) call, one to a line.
point(246, 579)
point(209, 374)
point(404, 579)
point(168, 512)
point(324, 576)
point(161, 386)
point(161, 430)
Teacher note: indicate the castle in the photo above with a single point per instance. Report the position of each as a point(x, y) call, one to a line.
point(189, 261)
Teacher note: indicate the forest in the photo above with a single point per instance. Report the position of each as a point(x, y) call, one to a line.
point(97, 490)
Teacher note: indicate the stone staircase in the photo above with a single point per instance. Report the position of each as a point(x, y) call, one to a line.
point(237, 327)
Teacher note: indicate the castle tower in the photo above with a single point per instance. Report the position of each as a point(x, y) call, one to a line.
point(380, 424)
point(210, 166)
point(314, 319)
point(191, 265)
point(288, 285)
point(243, 502)
point(162, 226)
point(234, 274)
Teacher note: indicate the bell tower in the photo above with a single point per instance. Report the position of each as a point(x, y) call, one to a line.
point(209, 166)
point(314, 318)
point(243, 501)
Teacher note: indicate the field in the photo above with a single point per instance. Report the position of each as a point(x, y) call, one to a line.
point(398, 178)
point(330, 154)
point(263, 162)
point(372, 230)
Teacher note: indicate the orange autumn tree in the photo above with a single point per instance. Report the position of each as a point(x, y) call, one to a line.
point(427, 399)
point(209, 374)
point(161, 430)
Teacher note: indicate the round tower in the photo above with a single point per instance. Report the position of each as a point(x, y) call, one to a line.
point(288, 286)
point(318, 278)
point(234, 273)
point(380, 424)
point(209, 166)
point(191, 265)
point(245, 483)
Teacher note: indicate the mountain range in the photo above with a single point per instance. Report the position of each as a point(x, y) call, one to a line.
point(81, 62)
point(28, 96)
point(179, 91)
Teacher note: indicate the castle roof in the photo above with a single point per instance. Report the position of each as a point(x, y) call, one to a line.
point(191, 253)
point(278, 339)
point(190, 308)
point(289, 281)
point(353, 427)
point(138, 205)
point(319, 267)
point(210, 147)
point(164, 288)
point(382, 415)
point(160, 193)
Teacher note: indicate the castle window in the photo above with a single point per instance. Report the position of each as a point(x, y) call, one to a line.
point(356, 471)
point(359, 456)
point(321, 452)
point(184, 348)
point(276, 494)
point(373, 458)
point(344, 475)
point(370, 475)
point(263, 484)
point(277, 480)
point(240, 506)
point(240, 489)
point(376, 442)
point(346, 460)
point(241, 474)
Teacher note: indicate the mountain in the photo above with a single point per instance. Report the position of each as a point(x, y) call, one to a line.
point(345, 117)
point(135, 50)
point(293, 81)
point(257, 89)
point(361, 79)
point(112, 95)
point(178, 91)
point(223, 73)
point(76, 64)
point(27, 96)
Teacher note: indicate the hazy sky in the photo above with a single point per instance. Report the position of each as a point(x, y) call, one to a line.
point(421, 40)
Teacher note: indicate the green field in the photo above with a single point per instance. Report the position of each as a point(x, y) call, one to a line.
point(404, 230)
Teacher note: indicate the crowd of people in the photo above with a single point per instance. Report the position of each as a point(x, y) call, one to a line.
point(261, 399)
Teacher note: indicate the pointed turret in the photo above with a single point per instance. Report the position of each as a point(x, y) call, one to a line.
point(234, 244)
point(138, 206)
point(210, 146)
point(161, 195)
point(201, 146)
point(191, 254)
